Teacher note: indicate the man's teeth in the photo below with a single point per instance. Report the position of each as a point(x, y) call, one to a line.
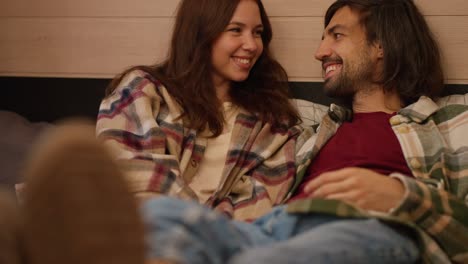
point(243, 61)
point(330, 68)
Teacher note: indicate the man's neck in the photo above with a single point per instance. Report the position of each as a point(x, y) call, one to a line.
point(376, 100)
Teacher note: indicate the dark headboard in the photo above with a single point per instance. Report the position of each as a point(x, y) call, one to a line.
point(50, 99)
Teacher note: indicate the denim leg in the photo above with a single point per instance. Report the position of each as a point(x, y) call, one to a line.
point(187, 232)
point(336, 240)
point(275, 226)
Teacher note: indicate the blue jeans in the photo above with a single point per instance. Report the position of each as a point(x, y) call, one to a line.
point(187, 232)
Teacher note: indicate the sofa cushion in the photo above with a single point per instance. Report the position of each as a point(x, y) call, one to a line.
point(16, 137)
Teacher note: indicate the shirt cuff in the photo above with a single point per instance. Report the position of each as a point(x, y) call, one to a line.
point(401, 178)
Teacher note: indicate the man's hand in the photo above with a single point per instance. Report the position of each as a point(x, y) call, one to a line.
point(363, 188)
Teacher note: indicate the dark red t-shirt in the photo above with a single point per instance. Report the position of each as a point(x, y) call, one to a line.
point(366, 142)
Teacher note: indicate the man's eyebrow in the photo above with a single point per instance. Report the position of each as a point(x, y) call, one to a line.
point(336, 27)
point(331, 30)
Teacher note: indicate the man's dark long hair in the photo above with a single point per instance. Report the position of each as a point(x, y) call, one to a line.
point(412, 59)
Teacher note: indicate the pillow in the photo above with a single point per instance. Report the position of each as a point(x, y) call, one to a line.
point(16, 137)
point(311, 113)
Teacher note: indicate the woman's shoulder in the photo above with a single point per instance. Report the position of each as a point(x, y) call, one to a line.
point(137, 80)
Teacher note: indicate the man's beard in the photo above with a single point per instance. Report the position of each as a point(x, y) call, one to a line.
point(349, 80)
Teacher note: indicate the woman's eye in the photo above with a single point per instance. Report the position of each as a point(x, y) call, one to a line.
point(258, 33)
point(236, 30)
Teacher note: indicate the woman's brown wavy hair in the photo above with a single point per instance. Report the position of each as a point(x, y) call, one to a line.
point(187, 71)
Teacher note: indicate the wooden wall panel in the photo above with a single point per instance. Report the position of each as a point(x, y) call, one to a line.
point(165, 8)
point(294, 43)
point(91, 47)
point(88, 8)
point(318, 7)
point(296, 8)
point(452, 35)
point(90, 38)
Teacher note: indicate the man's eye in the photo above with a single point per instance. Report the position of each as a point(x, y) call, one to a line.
point(337, 35)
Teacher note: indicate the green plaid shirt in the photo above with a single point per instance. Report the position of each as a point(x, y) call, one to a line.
point(434, 140)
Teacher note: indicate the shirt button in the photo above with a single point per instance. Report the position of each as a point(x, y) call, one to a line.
point(403, 129)
point(415, 164)
point(395, 120)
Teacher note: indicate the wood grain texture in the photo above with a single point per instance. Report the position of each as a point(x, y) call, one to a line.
point(87, 38)
point(166, 8)
point(80, 46)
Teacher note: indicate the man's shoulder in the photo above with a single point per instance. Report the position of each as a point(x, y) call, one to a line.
point(455, 99)
point(452, 107)
point(442, 109)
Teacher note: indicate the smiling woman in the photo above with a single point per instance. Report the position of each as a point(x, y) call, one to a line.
point(217, 46)
point(191, 126)
point(237, 49)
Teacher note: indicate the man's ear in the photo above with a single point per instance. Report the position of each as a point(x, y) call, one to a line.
point(379, 49)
